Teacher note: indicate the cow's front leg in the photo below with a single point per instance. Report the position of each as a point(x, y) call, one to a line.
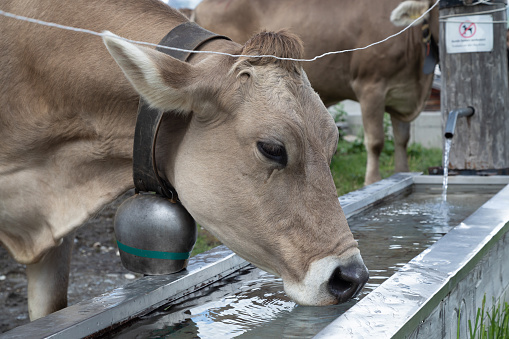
point(48, 280)
point(401, 132)
point(373, 106)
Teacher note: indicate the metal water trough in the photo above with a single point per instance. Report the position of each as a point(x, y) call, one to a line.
point(422, 299)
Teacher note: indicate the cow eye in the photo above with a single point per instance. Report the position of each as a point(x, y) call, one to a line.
point(274, 152)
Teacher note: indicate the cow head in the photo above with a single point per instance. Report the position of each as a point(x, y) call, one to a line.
point(410, 10)
point(248, 146)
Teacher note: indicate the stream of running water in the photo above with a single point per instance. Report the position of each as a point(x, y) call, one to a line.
point(445, 182)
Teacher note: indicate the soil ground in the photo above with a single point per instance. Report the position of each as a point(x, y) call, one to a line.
point(95, 269)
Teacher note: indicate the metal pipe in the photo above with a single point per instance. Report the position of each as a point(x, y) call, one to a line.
point(450, 126)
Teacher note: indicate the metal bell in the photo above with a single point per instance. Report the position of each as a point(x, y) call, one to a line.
point(154, 235)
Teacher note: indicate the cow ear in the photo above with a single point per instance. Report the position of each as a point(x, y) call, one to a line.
point(161, 80)
point(408, 11)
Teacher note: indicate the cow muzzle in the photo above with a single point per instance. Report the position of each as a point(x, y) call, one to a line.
point(330, 280)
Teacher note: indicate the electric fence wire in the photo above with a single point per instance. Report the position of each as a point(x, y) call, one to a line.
point(105, 33)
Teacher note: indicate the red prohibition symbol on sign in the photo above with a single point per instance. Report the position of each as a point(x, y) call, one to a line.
point(467, 29)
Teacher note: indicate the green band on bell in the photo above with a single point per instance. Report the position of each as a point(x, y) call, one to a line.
point(153, 254)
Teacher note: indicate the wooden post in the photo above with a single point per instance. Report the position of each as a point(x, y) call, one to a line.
point(478, 79)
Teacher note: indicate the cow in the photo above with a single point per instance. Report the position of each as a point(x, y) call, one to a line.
point(245, 141)
point(387, 77)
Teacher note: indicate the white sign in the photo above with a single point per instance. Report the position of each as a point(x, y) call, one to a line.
point(467, 34)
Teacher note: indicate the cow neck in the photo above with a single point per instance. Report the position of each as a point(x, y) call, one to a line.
point(187, 36)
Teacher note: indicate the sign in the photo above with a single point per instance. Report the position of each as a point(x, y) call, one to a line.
point(468, 34)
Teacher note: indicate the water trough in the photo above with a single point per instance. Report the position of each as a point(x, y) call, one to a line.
point(421, 299)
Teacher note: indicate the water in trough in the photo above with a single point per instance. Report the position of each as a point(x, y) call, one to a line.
point(252, 304)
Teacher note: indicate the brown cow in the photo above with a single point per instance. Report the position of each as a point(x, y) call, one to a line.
point(246, 143)
point(384, 78)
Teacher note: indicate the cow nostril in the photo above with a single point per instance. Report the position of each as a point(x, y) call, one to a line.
point(337, 285)
point(341, 288)
point(347, 282)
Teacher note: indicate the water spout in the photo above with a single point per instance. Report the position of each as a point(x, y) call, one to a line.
point(450, 126)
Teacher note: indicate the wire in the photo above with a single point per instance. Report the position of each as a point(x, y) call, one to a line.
point(476, 13)
point(103, 34)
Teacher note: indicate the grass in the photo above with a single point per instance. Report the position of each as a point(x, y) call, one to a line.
point(349, 164)
point(348, 167)
point(496, 325)
point(204, 242)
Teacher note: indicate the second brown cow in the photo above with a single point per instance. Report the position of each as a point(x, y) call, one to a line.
point(384, 78)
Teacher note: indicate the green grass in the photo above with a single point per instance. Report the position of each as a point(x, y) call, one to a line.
point(492, 324)
point(348, 167)
point(204, 242)
point(349, 164)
